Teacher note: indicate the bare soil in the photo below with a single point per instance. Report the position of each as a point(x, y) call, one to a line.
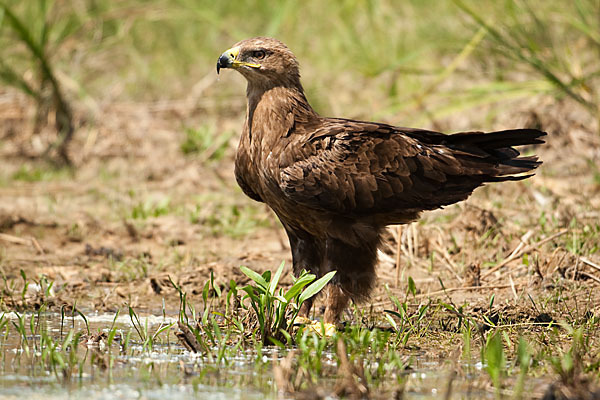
point(135, 211)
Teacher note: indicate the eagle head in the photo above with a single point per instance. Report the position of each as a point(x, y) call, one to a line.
point(263, 61)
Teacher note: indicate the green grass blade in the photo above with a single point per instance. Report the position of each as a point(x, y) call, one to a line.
point(516, 51)
point(87, 324)
point(46, 27)
point(22, 31)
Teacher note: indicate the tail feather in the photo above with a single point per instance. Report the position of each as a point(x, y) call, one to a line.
point(482, 158)
point(519, 165)
point(497, 140)
point(496, 149)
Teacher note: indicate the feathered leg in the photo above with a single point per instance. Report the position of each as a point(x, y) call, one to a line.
point(355, 275)
point(336, 302)
point(304, 313)
point(306, 255)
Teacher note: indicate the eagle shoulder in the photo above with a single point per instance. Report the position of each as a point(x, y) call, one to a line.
point(360, 167)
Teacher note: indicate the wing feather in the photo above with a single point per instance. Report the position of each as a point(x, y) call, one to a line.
point(368, 168)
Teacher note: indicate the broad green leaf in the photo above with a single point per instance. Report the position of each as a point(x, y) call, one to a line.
point(276, 342)
point(68, 339)
point(396, 301)
point(205, 292)
point(299, 285)
point(448, 307)
point(111, 336)
point(287, 336)
point(495, 358)
point(422, 312)
point(260, 281)
point(412, 288)
point(216, 288)
point(397, 314)
point(391, 321)
point(58, 358)
point(216, 329)
point(275, 279)
point(251, 294)
point(24, 34)
point(316, 286)
point(205, 315)
point(263, 301)
point(87, 324)
point(281, 299)
point(523, 354)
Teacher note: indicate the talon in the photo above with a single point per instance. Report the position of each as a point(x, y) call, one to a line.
point(326, 330)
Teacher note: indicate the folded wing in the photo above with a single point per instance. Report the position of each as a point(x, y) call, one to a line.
point(361, 168)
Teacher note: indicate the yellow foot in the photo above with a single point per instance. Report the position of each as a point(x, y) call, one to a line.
point(300, 320)
point(327, 329)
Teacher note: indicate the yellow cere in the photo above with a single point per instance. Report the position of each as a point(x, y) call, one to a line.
point(233, 53)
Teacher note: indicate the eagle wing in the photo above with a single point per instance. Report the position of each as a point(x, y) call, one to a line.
point(362, 168)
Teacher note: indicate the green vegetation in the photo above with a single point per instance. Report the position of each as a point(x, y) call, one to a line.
point(231, 220)
point(155, 133)
point(32, 33)
point(205, 143)
point(38, 174)
point(398, 57)
point(272, 305)
point(149, 208)
point(527, 39)
point(231, 326)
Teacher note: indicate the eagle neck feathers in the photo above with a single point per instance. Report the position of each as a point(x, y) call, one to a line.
point(274, 114)
point(277, 110)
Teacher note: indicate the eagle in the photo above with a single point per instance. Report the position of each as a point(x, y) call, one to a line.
point(336, 183)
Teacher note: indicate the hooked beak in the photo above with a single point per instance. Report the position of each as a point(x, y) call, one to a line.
point(228, 60)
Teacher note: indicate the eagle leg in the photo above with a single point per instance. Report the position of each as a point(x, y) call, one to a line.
point(305, 309)
point(335, 303)
point(355, 266)
point(306, 255)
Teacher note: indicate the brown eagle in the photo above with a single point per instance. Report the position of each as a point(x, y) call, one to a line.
point(336, 183)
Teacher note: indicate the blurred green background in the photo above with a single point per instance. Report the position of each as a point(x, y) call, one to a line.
point(412, 62)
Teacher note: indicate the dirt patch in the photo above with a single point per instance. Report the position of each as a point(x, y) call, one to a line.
point(136, 212)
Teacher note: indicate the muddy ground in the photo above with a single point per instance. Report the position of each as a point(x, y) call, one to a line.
point(135, 210)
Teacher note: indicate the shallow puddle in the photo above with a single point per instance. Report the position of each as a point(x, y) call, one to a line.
point(39, 368)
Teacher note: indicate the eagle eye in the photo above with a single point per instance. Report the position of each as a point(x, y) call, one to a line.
point(258, 54)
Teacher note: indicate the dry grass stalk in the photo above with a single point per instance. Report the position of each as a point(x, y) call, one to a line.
point(399, 269)
point(282, 373)
point(589, 262)
point(522, 243)
point(512, 287)
point(467, 288)
point(187, 338)
point(516, 254)
point(351, 381)
point(590, 276)
point(447, 261)
point(13, 239)
point(17, 240)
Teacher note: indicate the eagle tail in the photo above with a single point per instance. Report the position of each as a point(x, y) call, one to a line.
point(498, 139)
point(498, 149)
